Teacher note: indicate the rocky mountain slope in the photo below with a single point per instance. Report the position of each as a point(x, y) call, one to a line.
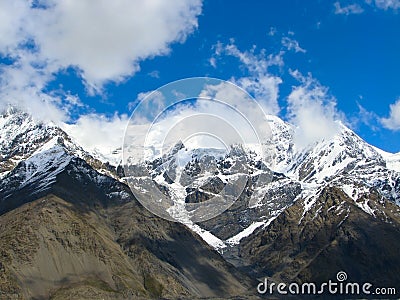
point(334, 235)
point(294, 174)
point(333, 205)
point(69, 230)
point(303, 215)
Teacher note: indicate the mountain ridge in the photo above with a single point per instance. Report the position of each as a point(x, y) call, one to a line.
point(308, 193)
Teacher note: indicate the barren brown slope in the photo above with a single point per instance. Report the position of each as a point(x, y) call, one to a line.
point(50, 248)
point(47, 245)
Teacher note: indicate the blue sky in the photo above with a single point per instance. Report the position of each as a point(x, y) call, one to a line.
point(346, 50)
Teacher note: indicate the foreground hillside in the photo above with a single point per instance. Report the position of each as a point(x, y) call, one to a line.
point(57, 249)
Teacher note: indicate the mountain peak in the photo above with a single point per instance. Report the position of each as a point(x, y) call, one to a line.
point(22, 137)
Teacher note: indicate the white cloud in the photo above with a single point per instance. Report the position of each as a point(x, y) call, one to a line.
point(272, 31)
point(350, 9)
point(213, 62)
point(260, 83)
point(393, 121)
point(292, 44)
point(265, 89)
point(312, 111)
point(356, 8)
point(21, 86)
point(98, 133)
point(154, 74)
point(12, 15)
point(213, 114)
point(239, 110)
point(194, 125)
point(385, 4)
point(366, 117)
point(151, 104)
point(107, 40)
point(104, 41)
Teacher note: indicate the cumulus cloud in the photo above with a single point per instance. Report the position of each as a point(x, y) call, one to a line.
point(98, 133)
point(21, 86)
point(104, 41)
point(12, 16)
point(393, 121)
point(151, 104)
point(208, 124)
point(260, 83)
point(312, 111)
point(107, 40)
point(202, 113)
point(350, 9)
point(238, 109)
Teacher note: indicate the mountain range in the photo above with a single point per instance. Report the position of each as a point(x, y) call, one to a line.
point(72, 228)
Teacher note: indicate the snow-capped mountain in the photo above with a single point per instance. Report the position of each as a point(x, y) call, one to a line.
point(294, 174)
point(296, 196)
point(69, 228)
point(22, 138)
point(42, 150)
point(35, 155)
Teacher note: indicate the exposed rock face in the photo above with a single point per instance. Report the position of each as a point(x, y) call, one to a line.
point(68, 231)
point(322, 209)
point(334, 235)
point(71, 228)
point(53, 248)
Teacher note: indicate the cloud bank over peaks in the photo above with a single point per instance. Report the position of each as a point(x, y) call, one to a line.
point(103, 41)
point(22, 86)
point(393, 121)
point(98, 133)
point(201, 113)
point(313, 111)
